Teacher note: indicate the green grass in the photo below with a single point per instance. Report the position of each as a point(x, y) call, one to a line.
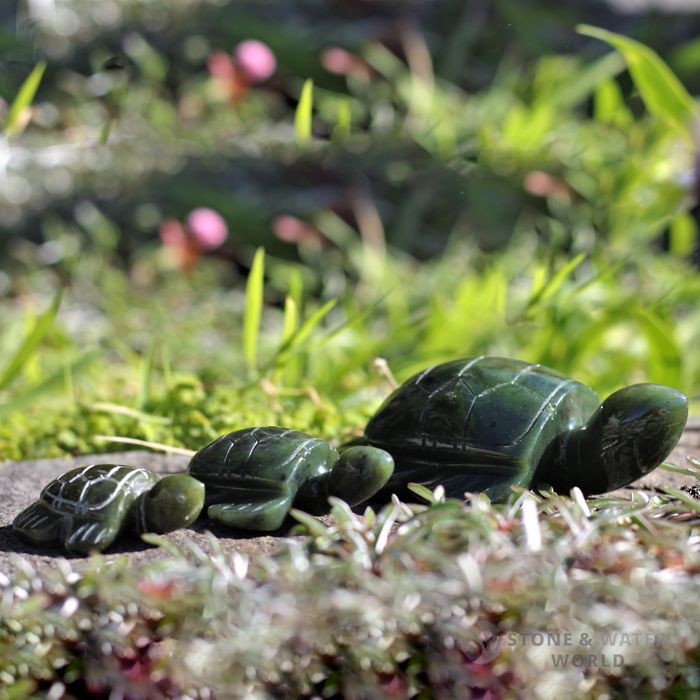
point(608, 324)
point(14, 124)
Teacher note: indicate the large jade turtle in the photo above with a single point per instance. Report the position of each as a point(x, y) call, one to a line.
point(254, 476)
point(87, 508)
point(485, 423)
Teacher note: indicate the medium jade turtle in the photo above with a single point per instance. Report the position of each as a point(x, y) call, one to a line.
point(87, 508)
point(254, 476)
point(486, 423)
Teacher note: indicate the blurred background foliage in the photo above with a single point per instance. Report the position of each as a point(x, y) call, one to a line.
point(428, 180)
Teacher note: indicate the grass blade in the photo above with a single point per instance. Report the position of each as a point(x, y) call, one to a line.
point(343, 121)
point(118, 409)
point(51, 383)
point(31, 342)
point(146, 376)
point(253, 310)
point(105, 132)
point(303, 114)
point(14, 125)
point(315, 527)
point(349, 322)
point(302, 334)
point(159, 446)
point(662, 92)
point(589, 79)
point(689, 501)
point(548, 289)
point(290, 321)
point(686, 471)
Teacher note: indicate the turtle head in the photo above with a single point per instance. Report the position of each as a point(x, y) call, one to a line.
point(359, 473)
point(630, 434)
point(174, 502)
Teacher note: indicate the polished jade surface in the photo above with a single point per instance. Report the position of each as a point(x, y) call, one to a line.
point(89, 508)
point(255, 475)
point(484, 424)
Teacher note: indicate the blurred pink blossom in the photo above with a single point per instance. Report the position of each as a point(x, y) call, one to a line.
point(337, 60)
point(256, 59)
point(172, 233)
point(341, 62)
point(291, 229)
point(207, 227)
point(220, 65)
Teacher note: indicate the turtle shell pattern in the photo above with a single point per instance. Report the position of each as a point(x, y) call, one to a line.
point(257, 458)
point(83, 500)
point(477, 424)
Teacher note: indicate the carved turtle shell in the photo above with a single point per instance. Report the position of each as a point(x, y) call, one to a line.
point(254, 476)
point(255, 458)
point(476, 424)
point(86, 506)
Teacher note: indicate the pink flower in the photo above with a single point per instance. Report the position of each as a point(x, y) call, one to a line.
point(207, 227)
point(341, 62)
point(172, 233)
point(291, 229)
point(337, 60)
point(256, 59)
point(220, 65)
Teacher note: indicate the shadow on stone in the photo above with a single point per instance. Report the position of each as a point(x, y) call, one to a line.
point(11, 542)
point(204, 525)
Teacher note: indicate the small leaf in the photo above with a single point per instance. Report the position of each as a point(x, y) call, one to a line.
point(164, 543)
point(314, 526)
point(425, 493)
point(688, 500)
point(385, 530)
point(253, 309)
point(662, 92)
point(14, 124)
point(686, 471)
point(303, 114)
point(341, 511)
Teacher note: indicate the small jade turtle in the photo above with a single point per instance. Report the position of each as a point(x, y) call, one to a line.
point(254, 476)
point(87, 508)
point(486, 423)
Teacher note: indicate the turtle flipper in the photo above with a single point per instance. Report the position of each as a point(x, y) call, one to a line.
point(90, 536)
point(260, 514)
point(37, 523)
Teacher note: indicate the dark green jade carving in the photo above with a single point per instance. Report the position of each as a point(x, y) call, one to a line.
point(480, 424)
point(485, 423)
point(254, 476)
point(88, 508)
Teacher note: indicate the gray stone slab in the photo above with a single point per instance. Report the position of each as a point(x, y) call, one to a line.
point(21, 482)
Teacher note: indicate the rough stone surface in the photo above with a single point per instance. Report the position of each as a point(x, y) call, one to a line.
point(21, 483)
